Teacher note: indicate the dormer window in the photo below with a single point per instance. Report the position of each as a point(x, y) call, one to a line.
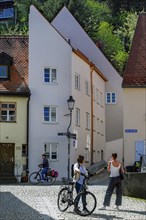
point(3, 71)
point(5, 63)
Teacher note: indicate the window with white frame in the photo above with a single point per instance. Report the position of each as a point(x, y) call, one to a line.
point(97, 96)
point(8, 112)
point(87, 88)
point(94, 123)
point(98, 126)
point(50, 113)
point(110, 98)
point(102, 128)
point(50, 75)
point(77, 116)
point(101, 99)
point(51, 151)
point(87, 121)
point(77, 81)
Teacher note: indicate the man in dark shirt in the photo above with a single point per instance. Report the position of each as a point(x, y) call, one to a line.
point(45, 166)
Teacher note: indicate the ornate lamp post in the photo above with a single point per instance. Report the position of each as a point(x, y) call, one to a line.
point(70, 103)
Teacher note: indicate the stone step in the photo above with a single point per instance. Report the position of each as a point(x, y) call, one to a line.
point(7, 179)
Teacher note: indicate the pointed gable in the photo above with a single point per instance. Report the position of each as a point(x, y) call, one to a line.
point(70, 29)
point(135, 73)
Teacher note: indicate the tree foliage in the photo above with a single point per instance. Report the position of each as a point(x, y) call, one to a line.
point(110, 23)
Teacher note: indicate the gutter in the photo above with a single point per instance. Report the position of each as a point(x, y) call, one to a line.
point(27, 137)
point(91, 86)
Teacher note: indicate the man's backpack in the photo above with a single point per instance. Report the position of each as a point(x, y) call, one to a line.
point(72, 169)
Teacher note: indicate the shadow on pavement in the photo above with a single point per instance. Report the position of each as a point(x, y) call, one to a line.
point(12, 208)
point(132, 211)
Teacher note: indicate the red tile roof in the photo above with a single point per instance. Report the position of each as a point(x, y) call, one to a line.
point(135, 73)
point(17, 48)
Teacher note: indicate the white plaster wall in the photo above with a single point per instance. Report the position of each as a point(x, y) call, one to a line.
point(114, 147)
point(66, 24)
point(83, 102)
point(47, 49)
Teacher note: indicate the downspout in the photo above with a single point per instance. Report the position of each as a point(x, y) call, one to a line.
point(27, 137)
point(91, 86)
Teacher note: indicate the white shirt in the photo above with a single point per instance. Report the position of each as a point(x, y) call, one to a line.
point(114, 171)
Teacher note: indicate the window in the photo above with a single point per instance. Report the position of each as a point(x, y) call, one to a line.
point(77, 116)
point(87, 120)
point(51, 151)
point(94, 123)
point(50, 113)
point(86, 154)
point(6, 13)
point(8, 112)
point(24, 150)
point(101, 98)
point(97, 96)
point(50, 75)
point(77, 81)
point(102, 128)
point(110, 98)
point(98, 126)
point(3, 71)
point(87, 88)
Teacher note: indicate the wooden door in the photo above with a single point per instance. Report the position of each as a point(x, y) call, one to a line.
point(6, 159)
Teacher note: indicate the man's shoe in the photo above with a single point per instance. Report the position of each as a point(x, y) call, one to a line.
point(42, 181)
point(116, 207)
point(102, 207)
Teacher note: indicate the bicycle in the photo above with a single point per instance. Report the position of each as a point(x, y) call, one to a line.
point(35, 177)
point(65, 199)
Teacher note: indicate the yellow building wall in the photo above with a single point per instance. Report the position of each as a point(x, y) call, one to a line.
point(134, 118)
point(16, 132)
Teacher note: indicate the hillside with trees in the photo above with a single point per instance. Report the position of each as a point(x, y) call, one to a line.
point(110, 24)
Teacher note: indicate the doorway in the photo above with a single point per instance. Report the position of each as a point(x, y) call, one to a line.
point(6, 159)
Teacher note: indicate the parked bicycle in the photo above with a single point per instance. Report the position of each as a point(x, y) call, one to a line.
point(65, 199)
point(35, 177)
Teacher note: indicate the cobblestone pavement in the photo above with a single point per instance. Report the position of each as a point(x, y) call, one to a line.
point(26, 202)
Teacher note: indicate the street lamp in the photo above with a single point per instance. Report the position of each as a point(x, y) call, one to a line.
point(70, 103)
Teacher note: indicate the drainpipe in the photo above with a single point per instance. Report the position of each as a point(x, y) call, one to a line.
point(27, 138)
point(91, 86)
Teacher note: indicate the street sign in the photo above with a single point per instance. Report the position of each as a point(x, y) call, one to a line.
point(62, 134)
point(131, 131)
point(73, 136)
point(69, 135)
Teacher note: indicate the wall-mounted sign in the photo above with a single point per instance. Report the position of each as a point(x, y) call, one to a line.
point(131, 130)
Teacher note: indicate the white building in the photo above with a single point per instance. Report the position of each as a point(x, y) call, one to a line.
point(57, 71)
point(66, 24)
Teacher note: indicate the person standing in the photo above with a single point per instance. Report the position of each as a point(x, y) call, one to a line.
point(79, 175)
point(45, 166)
point(114, 167)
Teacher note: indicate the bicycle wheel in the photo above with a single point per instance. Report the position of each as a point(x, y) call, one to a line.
point(63, 199)
point(49, 180)
point(34, 178)
point(87, 206)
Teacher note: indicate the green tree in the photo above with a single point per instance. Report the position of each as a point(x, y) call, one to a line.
point(112, 46)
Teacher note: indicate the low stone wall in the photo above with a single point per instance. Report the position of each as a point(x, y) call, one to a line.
point(134, 185)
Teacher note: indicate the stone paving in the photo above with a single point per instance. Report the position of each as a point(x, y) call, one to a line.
point(26, 202)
